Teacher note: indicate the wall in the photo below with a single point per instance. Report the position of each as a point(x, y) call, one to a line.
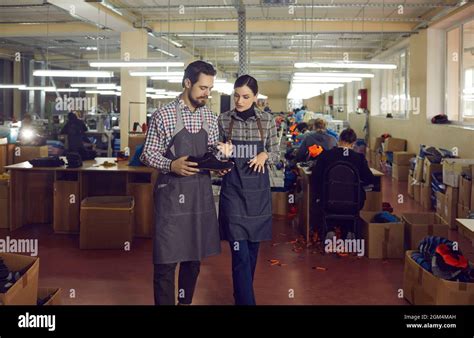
point(276, 92)
point(315, 104)
point(425, 84)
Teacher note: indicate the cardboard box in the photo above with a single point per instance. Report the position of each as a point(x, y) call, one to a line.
point(376, 143)
point(400, 172)
point(421, 287)
point(466, 228)
point(11, 154)
point(395, 144)
point(420, 225)
point(26, 153)
point(453, 168)
point(417, 192)
point(106, 222)
point(430, 168)
point(382, 240)
point(418, 175)
point(465, 187)
point(440, 203)
point(25, 290)
point(410, 186)
point(373, 201)
point(280, 203)
point(4, 204)
point(53, 296)
point(402, 158)
point(450, 207)
point(425, 196)
point(135, 140)
point(463, 212)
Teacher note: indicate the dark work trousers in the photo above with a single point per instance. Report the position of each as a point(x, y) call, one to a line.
point(164, 286)
point(244, 261)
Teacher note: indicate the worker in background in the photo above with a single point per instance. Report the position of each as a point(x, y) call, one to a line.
point(319, 137)
point(75, 130)
point(342, 153)
point(186, 227)
point(299, 115)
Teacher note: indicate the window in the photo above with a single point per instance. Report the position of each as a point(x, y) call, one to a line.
point(459, 91)
point(395, 86)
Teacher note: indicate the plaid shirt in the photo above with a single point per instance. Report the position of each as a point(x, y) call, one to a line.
point(248, 131)
point(162, 125)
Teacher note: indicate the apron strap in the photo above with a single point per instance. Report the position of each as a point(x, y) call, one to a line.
point(231, 126)
point(260, 129)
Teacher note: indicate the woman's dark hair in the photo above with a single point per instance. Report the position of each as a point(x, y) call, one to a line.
point(71, 116)
point(348, 135)
point(194, 69)
point(249, 81)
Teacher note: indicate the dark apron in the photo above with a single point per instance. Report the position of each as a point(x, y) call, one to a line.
point(245, 204)
point(186, 227)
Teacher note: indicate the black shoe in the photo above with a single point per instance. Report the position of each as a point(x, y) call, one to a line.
point(210, 162)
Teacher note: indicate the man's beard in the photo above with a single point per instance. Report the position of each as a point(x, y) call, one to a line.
point(196, 103)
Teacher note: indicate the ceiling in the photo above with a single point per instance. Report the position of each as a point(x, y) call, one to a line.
point(278, 31)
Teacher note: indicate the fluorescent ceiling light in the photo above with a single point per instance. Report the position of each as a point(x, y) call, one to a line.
point(87, 85)
point(63, 90)
point(349, 64)
point(175, 43)
point(101, 92)
point(106, 86)
point(134, 63)
point(38, 88)
point(324, 80)
point(335, 74)
point(164, 52)
point(11, 86)
point(261, 96)
point(73, 73)
point(154, 73)
point(202, 35)
point(175, 80)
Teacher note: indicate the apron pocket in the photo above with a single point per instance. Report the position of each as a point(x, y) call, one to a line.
point(256, 202)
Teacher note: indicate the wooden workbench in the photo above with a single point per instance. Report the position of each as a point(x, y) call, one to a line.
point(53, 195)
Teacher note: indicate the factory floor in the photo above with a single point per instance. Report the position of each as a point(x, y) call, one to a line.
point(303, 276)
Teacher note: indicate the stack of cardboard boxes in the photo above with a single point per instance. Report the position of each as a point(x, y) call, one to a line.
point(425, 189)
point(458, 190)
point(4, 202)
point(401, 165)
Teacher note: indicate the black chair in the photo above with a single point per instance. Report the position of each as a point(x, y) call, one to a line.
point(341, 196)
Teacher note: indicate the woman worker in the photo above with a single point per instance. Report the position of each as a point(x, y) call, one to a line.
point(245, 207)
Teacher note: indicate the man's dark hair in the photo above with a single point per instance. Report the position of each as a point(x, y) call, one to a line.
point(302, 126)
point(249, 81)
point(194, 69)
point(348, 135)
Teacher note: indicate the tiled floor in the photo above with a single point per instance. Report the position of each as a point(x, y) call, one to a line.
point(116, 277)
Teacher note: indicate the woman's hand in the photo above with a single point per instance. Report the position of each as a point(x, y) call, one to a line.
point(258, 162)
point(225, 148)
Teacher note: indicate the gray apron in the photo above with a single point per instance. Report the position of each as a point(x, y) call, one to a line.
point(245, 204)
point(186, 227)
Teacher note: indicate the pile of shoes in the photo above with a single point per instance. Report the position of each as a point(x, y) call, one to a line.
point(7, 277)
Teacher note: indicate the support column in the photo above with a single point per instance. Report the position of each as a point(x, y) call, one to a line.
point(134, 45)
point(17, 93)
point(242, 33)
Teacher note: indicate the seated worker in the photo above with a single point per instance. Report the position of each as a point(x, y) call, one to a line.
point(302, 129)
point(346, 141)
point(318, 137)
point(75, 130)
